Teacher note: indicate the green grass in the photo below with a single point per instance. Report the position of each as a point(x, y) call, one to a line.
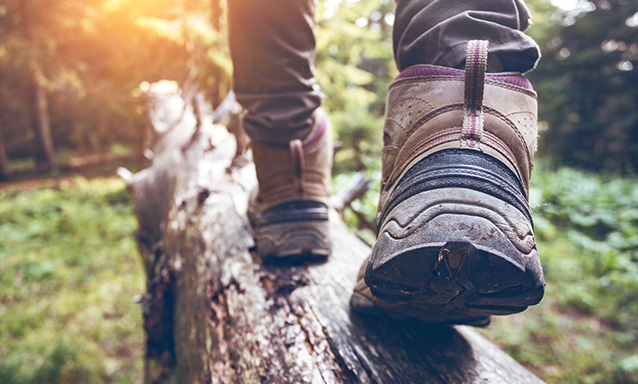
point(69, 269)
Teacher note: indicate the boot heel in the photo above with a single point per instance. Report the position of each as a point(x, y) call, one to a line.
point(307, 240)
point(458, 241)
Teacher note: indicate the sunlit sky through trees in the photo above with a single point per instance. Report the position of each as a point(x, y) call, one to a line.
point(89, 57)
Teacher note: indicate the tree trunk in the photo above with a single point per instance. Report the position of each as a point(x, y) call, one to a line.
point(214, 313)
point(45, 153)
point(5, 172)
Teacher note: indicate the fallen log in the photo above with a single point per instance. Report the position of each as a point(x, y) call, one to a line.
point(214, 313)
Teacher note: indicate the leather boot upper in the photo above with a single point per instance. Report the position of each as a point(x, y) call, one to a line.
point(300, 170)
point(431, 108)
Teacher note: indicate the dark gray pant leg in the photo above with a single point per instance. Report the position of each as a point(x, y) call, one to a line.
point(272, 45)
point(437, 31)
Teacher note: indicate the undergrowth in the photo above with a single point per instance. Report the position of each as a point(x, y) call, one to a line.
point(69, 271)
point(586, 328)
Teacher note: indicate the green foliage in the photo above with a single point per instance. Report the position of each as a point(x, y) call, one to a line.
point(587, 86)
point(69, 271)
point(354, 68)
point(92, 55)
point(586, 328)
point(600, 218)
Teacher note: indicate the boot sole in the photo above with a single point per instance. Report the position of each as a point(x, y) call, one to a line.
point(296, 231)
point(293, 241)
point(453, 260)
point(460, 252)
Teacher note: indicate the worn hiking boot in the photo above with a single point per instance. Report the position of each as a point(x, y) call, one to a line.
point(455, 240)
point(289, 210)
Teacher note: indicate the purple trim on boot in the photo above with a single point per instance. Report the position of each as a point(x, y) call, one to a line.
point(426, 71)
point(518, 80)
point(429, 71)
point(322, 123)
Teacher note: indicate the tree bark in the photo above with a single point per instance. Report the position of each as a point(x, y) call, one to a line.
point(214, 313)
point(5, 171)
point(46, 152)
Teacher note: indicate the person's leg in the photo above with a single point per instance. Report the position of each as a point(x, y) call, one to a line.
point(436, 32)
point(272, 46)
point(455, 239)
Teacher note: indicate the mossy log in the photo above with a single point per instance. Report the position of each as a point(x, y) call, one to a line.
point(215, 314)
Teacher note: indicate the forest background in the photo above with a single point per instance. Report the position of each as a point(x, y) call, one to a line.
point(72, 77)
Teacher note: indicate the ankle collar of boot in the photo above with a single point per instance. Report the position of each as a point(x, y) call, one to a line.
point(512, 78)
point(321, 123)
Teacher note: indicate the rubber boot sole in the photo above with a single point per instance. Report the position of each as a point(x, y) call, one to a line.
point(294, 241)
point(460, 251)
point(297, 231)
point(455, 259)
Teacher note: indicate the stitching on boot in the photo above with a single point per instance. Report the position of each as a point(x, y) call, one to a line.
point(394, 105)
point(514, 128)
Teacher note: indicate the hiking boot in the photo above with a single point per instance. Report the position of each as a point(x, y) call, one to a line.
point(289, 209)
point(455, 240)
